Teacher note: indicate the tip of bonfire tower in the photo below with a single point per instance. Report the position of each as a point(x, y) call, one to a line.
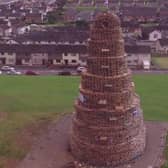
point(107, 20)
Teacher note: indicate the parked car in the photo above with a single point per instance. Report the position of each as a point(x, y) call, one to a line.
point(80, 69)
point(13, 72)
point(31, 73)
point(7, 68)
point(64, 72)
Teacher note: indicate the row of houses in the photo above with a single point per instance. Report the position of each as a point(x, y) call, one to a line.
point(128, 10)
point(133, 13)
point(156, 37)
point(63, 55)
point(116, 2)
point(18, 14)
point(63, 35)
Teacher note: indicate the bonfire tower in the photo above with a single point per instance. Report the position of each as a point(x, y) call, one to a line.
point(107, 126)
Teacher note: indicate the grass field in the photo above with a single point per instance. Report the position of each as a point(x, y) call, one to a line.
point(161, 62)
point(27, 99)
point(154, 95)
point(166, 154)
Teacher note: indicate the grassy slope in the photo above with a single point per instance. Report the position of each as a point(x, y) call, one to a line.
point(162, 62)
point(26, 99)
point(154, 96)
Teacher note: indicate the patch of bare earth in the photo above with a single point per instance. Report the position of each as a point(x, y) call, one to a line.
point(23, 140)
point(3, 116)
point(27, 135)
point(8, 163)
point(46, 145)
point(51, 150)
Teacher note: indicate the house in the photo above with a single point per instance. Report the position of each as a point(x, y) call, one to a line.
point(155, 35)
point(84, 15)
point(155, 32)
point(163, 13)
point(162, 46)
point(70, 14)
point(33, 18)
point(151, 44)
point(131, 29)
point(16, 15)
point(63, 55)
point(164, 29)
point(54, 36)
point(140, 14)
point(42, 55)
point(138, 56)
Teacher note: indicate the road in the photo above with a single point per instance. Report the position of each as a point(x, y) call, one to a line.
point(51, 149)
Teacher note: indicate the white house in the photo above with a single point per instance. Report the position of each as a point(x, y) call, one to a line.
point(138, 56)
point(155, 35)
point(162, 46)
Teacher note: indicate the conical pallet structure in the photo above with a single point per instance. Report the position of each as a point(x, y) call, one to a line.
point(107, 126)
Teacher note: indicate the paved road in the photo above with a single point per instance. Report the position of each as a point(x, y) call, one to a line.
point(73, 71)
point(150, 72)
point(51, 149)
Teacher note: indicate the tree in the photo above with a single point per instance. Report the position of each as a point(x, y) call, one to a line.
point(55, 16)
point(82, 24)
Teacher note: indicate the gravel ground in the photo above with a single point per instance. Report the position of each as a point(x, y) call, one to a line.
point(51, 149)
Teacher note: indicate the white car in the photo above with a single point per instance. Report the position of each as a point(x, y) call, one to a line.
point(81, 69)
point(13, 72)
point(7, 68)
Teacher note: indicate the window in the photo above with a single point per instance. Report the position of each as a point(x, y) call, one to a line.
point(73, 61)
point(105, 50)
point(26, 60)
point(155, 36)
point(65, 54)
point(10, 60)
point(73, 55)
point(58, 60)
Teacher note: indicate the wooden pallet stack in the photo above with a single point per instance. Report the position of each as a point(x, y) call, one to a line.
point(108, 127)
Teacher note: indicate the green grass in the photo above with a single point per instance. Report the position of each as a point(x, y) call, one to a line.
point(166, 154)
point(33, 95)
point(161, 62)
point(154, 95)
point(28, 99)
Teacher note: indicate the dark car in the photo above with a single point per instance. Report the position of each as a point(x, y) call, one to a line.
point(31, 73)
point(64, 72)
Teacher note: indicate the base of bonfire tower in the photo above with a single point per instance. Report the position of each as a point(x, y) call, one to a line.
point(140, 145)
point(118, 164)
point(53, 146)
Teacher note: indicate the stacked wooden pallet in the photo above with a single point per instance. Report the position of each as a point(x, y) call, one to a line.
point(108, 128)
